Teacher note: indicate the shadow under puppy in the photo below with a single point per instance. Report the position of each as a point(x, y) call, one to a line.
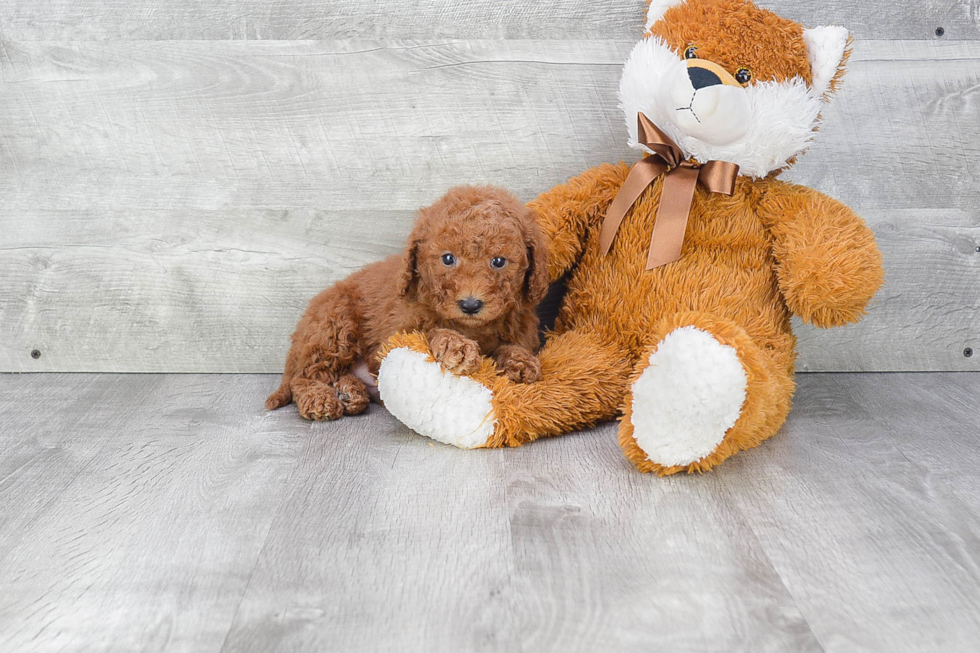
point(474, 270)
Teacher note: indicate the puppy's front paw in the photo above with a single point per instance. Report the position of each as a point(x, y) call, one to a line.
point(519, 365)
point(457, 353)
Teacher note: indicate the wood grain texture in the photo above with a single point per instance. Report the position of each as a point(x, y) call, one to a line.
point(342, 125)
point(460, 19)
point(501, 552)
point(872, 472)
point(387, 545)
point(175, 291)
point(133, 509)
point(360, 126)
point(171, 513)
point(172, 206)
point(615, 561)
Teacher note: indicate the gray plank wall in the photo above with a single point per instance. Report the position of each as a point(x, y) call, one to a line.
point(177, 179)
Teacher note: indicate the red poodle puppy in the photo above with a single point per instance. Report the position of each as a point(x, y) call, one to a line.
point(470, 279)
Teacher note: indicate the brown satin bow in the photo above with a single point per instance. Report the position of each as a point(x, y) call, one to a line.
point(680, 178)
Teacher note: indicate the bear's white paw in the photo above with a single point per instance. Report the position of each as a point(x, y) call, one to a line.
point(452, 409)
point(688, 398)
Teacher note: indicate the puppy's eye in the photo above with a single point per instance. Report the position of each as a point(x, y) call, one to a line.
point(498, 262)
point(691, 52)
point(743, 76)
point(448, 260)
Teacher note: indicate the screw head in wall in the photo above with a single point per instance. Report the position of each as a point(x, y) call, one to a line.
point(968, 352)
point(940, 31)
point(36, 354)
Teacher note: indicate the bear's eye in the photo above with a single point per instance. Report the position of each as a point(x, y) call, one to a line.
point(691, 52)
point(743, 75)
point(448, 260)
point(498, 262)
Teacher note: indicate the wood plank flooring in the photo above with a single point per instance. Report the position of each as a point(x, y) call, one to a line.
point(172, 513)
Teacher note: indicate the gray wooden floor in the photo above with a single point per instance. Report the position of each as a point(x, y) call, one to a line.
point(171, 513)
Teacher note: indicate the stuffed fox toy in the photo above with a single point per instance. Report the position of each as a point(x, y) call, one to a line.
point(684, 269)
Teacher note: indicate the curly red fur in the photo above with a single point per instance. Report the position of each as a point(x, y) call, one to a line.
point(345, 325)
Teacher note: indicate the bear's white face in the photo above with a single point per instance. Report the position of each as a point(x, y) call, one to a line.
point(760, 126)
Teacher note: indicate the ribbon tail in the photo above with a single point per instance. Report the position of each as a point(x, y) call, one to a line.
point(641, 175)
point(675, 208)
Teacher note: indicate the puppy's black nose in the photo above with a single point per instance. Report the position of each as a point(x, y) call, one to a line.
point(470, 305)
point(701, 78)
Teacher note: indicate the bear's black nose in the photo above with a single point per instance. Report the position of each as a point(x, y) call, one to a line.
point(470, 305)
point(701, 77)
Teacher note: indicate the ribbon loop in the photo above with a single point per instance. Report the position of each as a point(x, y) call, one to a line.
point(680, 178)
point(650, 135)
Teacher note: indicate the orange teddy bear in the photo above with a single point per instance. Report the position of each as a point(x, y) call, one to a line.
point(684, 269)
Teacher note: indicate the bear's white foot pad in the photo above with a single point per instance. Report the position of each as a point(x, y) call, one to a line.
point(452, 409)
point(688, 398)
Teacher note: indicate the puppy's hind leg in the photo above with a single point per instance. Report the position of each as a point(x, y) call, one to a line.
point(353, 394)
point(328, 346)
point(321, 400)
point(317, 400)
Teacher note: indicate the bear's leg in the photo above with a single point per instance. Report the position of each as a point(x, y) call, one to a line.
point(703, 392)
point(583, 381)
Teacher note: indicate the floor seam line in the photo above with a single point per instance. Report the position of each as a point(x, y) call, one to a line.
point(265, 544)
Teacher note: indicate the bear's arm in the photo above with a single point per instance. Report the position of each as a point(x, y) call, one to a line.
point(828, 264)
point(566, 212)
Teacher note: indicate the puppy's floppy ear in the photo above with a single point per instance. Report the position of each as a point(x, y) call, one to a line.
point(409, 276)
point(536, 280)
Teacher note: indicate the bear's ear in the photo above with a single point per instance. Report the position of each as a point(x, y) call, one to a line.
point(657, 10)
point(828, 48)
